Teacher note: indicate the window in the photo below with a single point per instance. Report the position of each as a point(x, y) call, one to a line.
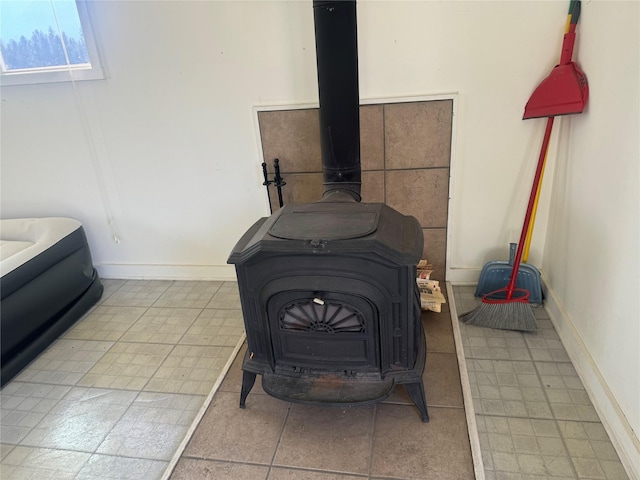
point(44, 41)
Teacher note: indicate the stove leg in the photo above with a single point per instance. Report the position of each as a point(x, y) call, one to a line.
point(248, 379)
point(416, 392)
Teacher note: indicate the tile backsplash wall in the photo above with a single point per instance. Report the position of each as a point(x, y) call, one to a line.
point(405, 151)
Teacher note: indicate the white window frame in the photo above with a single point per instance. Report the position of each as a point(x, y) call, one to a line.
point(63, 73)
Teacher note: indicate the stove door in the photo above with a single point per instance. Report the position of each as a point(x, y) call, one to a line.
point(324, 331)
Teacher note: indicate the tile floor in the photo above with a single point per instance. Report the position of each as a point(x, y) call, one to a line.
point(116, 394)
point(276, 440)
point(534, 417)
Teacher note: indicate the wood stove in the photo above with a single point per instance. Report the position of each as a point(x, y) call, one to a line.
point(329, 298)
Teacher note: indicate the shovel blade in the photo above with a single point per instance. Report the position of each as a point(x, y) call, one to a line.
point(565, 91)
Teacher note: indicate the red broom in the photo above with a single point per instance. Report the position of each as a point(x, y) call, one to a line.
point(508, 308)
point(564, 91)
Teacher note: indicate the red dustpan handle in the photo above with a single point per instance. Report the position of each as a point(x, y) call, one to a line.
point(570, 32)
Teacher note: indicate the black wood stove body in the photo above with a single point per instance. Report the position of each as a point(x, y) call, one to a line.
point(329, 298)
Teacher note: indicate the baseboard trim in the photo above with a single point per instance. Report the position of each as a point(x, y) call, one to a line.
point(463, 276)
point(613, 419)
point(166, 272)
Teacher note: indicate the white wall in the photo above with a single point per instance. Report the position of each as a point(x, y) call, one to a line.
point(167, 146)
point(591, 256)
point(171, 128)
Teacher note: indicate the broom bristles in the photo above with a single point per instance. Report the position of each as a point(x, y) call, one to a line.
point(505, 316)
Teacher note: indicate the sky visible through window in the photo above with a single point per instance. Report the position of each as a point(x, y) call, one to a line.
point(30, 37)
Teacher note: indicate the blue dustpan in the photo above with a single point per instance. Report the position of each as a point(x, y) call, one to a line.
point(496, 275)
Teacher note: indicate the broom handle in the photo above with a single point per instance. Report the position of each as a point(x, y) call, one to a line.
point(527, 243)
point(527, 218)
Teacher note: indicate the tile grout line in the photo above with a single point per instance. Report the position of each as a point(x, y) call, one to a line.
point(372, 437)
point(472, 427)
point(384, 155)
point(275, 450)
point(324, 472)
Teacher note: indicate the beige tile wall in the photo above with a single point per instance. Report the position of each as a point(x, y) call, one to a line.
point(405, 151)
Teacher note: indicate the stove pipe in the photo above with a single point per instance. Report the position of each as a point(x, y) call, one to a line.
point(337, 60)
